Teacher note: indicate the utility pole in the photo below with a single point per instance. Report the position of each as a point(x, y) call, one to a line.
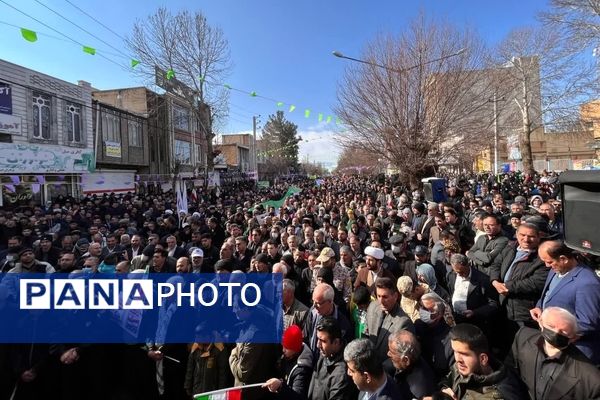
point(254, 155)
point(495, 135)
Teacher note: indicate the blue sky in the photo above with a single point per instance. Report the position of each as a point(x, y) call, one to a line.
point(280, 49)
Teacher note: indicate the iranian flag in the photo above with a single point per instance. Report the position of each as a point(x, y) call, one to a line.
point(233, 393)
point(227, 394)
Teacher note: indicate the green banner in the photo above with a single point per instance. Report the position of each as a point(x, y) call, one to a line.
point(278, 203)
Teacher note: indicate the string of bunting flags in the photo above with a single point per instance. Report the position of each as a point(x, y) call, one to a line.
point(31, 36)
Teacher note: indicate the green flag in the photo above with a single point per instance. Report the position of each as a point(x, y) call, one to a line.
point(292, 108)
point(328, 119)
point(280, 104)
point(320, 117)
point(134, 63)
point(278, 203)
point(253, 94)
point(89, 50)
point(307, 113)
point(227, 86)
point(170, 74)
point(28, 35)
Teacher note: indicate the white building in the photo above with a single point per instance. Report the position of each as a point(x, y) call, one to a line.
point(46, 135)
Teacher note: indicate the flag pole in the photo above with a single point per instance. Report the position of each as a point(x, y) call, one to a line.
point(228, 389)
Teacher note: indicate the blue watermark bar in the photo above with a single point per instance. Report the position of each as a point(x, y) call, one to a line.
point(140, 308)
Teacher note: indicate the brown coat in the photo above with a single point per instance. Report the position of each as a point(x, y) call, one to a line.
point(366, 278)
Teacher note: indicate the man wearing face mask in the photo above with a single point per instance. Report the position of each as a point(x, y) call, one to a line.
point(550, 364)
point(434, 334)
point(574, 287)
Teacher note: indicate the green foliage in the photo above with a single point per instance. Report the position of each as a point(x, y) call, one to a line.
point(281, 142)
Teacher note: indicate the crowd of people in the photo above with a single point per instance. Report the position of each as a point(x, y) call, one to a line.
point(386, 294)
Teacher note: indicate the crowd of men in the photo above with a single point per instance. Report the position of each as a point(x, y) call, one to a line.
point(385, 295)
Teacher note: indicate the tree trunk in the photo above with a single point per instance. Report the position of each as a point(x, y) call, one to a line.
point(526, 153)
point(525, 137)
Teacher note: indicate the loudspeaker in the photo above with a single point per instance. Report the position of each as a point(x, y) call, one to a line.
point(580, 194)
point(434, 189)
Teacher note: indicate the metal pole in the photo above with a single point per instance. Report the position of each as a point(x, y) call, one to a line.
point(254, 157)
point(495, 135)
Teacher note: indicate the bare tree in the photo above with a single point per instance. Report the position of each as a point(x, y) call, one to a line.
point(545, 81)
point(197, 52)
point(357, 160)
point(425, 105)
point(577, 21)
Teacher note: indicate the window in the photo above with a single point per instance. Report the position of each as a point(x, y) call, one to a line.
point(183, 152)
point(74, 123)
point(199, 155)
point(42, 117)
point(181, 118)
point(135, 133)
point(111, 127)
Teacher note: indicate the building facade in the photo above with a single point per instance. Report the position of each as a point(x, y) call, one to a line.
point(176, 137)
point(122, 150)
point(46, 135)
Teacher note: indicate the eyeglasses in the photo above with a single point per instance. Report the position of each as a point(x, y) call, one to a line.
point(320, 304)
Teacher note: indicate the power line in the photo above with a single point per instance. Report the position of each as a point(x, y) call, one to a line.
point(125, 117)
point(240, 114)
point(239, 120)
point(83, 29)
point(58, 38)
point(104, 26)
point(57, 31)
point(253, 94)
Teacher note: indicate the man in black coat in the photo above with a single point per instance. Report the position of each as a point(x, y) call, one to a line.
point(330, 380)
point(519, 277)
point(489, 246)
point(324, 306)
point(414, 376)
point(474, 300)
point(296, 367)
point(548, 362)
point(366, 370)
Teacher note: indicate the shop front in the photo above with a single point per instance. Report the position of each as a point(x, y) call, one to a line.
point(41, 173)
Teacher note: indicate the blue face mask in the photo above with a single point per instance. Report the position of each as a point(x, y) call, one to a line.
point(107, 269)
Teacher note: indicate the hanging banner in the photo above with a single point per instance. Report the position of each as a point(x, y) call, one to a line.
point(10, 124)
point(107, 182)
point(5, 98)
point(112, 149)
point(514, 151)
point(19, 158)
point(214, 179)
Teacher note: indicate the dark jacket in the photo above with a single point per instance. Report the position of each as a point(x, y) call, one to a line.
point(296, 376)
point(481, 297)
point(417, 381)
point(485, 251)
point(502, 383)
point(310, 327)
point(389, 392)
point(577, 379)
point(207, 370)
point(179, 252)
point(436, 346)
point(524, 285)
point(330, 380)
